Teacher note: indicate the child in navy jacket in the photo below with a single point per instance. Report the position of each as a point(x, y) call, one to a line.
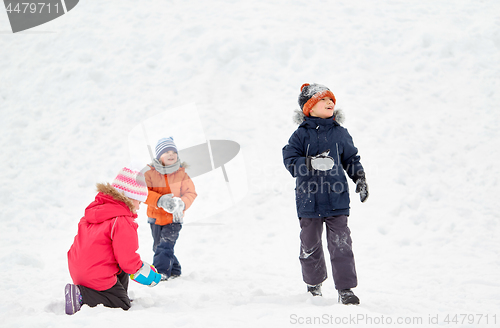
point(319, 154)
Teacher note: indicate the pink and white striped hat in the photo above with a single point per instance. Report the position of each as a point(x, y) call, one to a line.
point(132, 184)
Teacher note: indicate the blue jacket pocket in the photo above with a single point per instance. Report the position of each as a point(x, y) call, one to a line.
point(305, 201)
point(339, 196)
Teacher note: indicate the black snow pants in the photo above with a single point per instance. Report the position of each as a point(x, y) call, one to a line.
point(115, 297)
point(339, 242)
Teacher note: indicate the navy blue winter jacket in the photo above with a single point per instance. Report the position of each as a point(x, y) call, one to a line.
point(322, 193)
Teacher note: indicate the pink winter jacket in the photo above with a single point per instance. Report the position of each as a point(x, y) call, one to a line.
point(106, 243)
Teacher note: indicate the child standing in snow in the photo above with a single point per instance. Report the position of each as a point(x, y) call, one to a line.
point(318, 154)
point(171, 193)
point(103, 253)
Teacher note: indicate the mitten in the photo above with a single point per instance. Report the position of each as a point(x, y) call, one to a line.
point(166, 202)
point(147, 275)
point(321, 162)
point(362, 189)
point(178, 213)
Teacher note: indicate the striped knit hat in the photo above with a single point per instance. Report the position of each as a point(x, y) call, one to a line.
point(165, 145)
point(310, 94)
point(132, 184)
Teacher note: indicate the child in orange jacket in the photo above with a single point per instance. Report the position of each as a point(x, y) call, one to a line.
point(170, 193)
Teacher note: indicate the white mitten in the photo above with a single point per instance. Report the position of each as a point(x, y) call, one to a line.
point(178, 213)
point(166, 202)
point(321, 162)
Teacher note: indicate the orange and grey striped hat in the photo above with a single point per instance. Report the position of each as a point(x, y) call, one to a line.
point(310, 94)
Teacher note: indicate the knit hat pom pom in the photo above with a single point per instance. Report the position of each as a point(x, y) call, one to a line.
point(304, 85)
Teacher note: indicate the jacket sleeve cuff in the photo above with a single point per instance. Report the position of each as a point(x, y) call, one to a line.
point(358, 175)
point(152, 199)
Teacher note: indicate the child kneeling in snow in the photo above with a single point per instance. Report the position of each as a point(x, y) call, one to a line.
point(171, 193)
point(103, 253)
point(318, 154)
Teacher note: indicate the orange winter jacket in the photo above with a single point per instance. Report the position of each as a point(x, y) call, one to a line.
point(178, 183)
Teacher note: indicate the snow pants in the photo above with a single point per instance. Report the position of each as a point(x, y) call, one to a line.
point(115, 297)
point(339, 243)
point(164, 239)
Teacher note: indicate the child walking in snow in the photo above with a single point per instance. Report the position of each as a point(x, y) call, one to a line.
point(171, 193)
point(318, 154)
point(103, 254)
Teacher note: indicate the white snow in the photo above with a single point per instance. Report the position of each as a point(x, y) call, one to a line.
point(418, 81)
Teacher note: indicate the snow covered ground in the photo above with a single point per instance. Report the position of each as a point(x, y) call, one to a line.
point(418, 81)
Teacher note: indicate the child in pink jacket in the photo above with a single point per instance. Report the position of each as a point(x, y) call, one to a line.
point(103, 254)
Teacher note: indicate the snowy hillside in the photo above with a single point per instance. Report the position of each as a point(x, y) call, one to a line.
point(418, 81)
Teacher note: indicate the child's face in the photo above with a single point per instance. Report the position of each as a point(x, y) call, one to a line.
point(168, 158)
point(323, 108)
point(136, 204)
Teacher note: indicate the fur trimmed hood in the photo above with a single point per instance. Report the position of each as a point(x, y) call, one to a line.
point(338, 116)
point(108, 189)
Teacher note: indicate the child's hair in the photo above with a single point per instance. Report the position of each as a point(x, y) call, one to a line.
point(310, 94)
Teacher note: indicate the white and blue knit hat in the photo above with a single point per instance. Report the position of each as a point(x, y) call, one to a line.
point(165, 145)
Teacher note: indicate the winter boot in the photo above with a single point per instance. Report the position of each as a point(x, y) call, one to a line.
point(314, 290)
point(346, 296)
point(73, 299)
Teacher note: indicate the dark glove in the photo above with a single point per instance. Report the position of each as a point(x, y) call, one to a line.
point(362, 189)
point(321, 162)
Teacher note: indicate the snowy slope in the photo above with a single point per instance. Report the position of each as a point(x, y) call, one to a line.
point(418, 81)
